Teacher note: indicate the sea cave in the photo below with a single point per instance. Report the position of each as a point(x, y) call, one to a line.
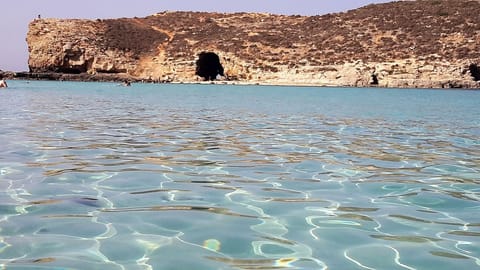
point(209, 66)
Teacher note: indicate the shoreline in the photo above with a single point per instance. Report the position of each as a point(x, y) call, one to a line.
point(119, 78)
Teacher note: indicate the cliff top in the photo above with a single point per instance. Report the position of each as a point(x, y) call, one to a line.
point(440, 31)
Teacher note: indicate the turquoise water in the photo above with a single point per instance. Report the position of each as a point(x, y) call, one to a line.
point(97, 176)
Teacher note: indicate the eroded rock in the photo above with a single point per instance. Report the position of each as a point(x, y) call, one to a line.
point(403, 43)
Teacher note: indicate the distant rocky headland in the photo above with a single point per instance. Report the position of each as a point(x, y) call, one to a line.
point(423, 43)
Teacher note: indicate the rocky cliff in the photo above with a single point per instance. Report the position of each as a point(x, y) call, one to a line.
point(424, 43)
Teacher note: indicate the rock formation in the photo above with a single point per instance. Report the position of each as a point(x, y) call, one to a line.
point(6, 74)
point(423, 43)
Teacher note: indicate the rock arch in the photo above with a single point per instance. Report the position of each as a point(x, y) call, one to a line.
point(209, 66)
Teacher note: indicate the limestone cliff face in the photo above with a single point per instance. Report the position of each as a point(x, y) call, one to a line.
point(424, 43)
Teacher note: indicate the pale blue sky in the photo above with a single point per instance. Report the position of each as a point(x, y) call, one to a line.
point(16, 14)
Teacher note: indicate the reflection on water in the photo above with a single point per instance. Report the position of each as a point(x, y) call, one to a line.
point(212, 177)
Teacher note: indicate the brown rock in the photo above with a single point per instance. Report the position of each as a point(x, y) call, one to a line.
point(428, 43)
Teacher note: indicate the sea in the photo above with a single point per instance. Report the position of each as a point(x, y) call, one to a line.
point(201, 176)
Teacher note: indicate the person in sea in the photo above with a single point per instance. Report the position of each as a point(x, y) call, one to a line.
point(126, 83)
point(3, 83)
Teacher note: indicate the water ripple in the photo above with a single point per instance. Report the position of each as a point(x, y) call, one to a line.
point(103, 179)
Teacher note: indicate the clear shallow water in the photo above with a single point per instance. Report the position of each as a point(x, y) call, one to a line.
point(96, 176)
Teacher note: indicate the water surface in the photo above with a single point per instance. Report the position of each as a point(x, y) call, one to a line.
point(97, 176)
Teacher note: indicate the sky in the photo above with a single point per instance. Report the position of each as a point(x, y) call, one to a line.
point(16, 15)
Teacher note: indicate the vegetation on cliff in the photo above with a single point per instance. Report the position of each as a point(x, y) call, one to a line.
point(394, 41)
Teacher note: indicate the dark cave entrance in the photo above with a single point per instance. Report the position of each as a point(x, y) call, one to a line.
point(209, 66)
point(374, 79)
point(475, 72)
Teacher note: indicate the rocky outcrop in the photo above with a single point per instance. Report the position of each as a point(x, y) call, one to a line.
point(6, 74)
point(424, 43)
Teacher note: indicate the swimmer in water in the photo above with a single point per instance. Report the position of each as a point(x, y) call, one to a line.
point(3, 83)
